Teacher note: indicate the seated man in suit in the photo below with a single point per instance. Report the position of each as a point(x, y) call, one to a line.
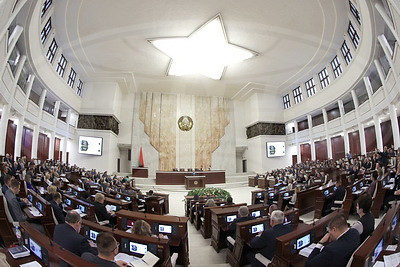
point(338, 194)
point(243, 213)
point(57, 208)
point(67, 235)
point(13, 204)
point(345, 241)
point(108, 249)
point(101, 211)
point(7, 184)
point(265, 242)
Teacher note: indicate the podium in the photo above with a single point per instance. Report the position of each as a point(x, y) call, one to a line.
point(193, 182)
point(140, 172)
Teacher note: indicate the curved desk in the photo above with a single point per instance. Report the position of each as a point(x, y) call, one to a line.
point(178, 178)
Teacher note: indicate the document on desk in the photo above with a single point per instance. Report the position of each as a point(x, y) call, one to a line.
point(34, 212)
point(148, 260)
point(31, 264)
point(392, 260)
point(305, 252)
point(379, 264)
point(80, 212)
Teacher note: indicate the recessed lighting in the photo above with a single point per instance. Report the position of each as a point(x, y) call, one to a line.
point(206, 51)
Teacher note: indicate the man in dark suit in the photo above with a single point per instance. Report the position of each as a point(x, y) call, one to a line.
point(57, 209)
point(265, 242)
point(338, 194)
point(13, 204)
point(243, 213)
point(344, 242)
point(101, 211)
point(67, 235)
point(4, 171)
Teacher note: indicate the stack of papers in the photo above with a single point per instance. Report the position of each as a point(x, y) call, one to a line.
point(305, 252)
point(31, 264)
point(34, 211)
point(392, 260)
point(80, 212)
point(148, 260)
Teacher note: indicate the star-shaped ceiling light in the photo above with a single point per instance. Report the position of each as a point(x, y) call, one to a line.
point(206, 51)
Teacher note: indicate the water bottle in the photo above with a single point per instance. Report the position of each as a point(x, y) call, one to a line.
point(18, 235)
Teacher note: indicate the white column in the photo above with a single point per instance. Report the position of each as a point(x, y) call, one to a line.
point(381, 10)
point(35, 140)
point(18, 137)
point(345, 133)
point(15, 34)
point(381, 75)
point(309, 120)
point(5, 115)
point(64, 149)
point(378, 132)
point(18, 7)
point(361, 132)
point(328, 137)
point(28, 90)
point(388, 54)
point(395, 5)
point(296, 136)
point(395, 126)
point(51, 145)
point(36, 128)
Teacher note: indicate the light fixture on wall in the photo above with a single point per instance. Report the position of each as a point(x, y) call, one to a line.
point(206, 51)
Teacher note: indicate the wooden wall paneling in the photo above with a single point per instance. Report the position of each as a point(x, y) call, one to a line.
point(321, 150)
point(57, 142)
point(43, 147)
point(305, 152)
point(10, 138)
point(26, 143)
point(354, 141)
point(337, 147)
point(387, 133)
point(370, 138)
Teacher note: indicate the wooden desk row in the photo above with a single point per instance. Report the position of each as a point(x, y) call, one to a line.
point(172, 226)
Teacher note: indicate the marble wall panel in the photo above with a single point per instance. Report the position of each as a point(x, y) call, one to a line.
point(155, 121)
point(142, 106)
point(168, 132)
point(203, 131)
point(147, 118)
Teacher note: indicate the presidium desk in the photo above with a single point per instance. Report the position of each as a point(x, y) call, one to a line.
point(178, 178)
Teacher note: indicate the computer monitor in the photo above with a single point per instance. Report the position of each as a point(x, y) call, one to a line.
point(361, 184)
point(377, 251)
point(128, 198)
point(326, 192)
point(76, 193)
point(82, 208)
point(257, 228)
point(30, 197)
point(256, 213)
point(271, 194)
point(35, 248)
point(137, 248)
point(230, 218)
point(39, 206)
point(117, 196)
point(334, 188)
point(68, 202)
point(383, 182)
point(303, 242)
point(354, 188)
point(93, 234)
point(165, 229)
point(286, 194)
point(259, 195)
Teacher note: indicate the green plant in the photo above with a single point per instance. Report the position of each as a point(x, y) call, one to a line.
point(210, 191)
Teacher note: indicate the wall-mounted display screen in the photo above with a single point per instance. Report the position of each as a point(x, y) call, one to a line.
point(275, 149)
point(90, 145)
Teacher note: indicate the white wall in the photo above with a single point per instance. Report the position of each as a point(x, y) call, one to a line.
point(125, 163)
point(256, 154)
point(106, 162)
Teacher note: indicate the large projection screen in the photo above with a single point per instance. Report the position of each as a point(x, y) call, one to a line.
point(90, 145)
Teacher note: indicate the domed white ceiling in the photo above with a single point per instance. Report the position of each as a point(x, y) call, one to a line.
point(107, 41)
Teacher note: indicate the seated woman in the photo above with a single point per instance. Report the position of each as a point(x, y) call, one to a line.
point(143, 228)
point(51, 191)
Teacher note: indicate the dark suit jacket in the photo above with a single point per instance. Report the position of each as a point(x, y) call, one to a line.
point(339, 193)
point(371, 188)
point(232, 225)
point(68, 238)
point(14, 207)
point(101, 212)
point(58, 213)
point(337, 253)
point(266, 243)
